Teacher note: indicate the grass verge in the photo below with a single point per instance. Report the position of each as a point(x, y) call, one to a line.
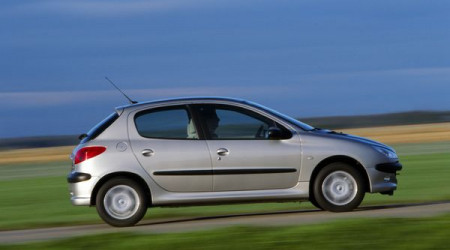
point(419, 233)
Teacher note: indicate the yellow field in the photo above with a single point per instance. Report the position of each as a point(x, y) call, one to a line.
point(35, 155)
point(422, 133)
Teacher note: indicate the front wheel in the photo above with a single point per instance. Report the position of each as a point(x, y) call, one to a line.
point(339, 187)
point(121, 202)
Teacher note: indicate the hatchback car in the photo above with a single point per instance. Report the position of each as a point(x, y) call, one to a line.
point(191, 151)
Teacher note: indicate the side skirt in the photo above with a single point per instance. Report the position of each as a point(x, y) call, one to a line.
point(298, 192)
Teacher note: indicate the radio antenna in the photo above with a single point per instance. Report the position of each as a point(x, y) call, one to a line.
point(128, 98)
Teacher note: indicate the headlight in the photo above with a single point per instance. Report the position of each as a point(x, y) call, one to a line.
point(386, 152)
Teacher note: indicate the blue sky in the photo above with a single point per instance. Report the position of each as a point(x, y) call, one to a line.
point(304, 58)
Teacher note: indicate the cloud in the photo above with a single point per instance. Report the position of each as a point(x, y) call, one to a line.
point(304, 89)
point(419, 71)
point(53, 98)
point(45, 99)
point(405, 73)
point(109, 7)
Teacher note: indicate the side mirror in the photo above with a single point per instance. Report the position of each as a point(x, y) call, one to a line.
point(274, 133)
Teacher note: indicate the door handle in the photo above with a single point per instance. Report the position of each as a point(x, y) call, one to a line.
point(222, 151)
point(147, 152)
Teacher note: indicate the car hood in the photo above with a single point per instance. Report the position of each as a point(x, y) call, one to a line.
point(340, 135)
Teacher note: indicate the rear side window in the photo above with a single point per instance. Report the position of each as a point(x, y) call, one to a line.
point(172, 123)
point(99, 128)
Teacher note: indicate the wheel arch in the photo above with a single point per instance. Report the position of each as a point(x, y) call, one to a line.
point(128, 175)
point(338, 158)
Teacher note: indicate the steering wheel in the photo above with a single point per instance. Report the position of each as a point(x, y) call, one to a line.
point(260, 132)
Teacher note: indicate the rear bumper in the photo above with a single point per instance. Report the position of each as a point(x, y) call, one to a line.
point(75, 177)
point(80, 188)
point(80, 201)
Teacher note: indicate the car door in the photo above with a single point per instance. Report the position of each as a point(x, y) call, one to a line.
point(243, 157)
point(166, 143)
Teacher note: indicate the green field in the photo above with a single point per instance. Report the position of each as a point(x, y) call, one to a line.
point(36, 195)
point(423, 233)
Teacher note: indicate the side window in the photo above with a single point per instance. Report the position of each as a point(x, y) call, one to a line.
point(101, 127)
point(234, 123)
point(172, 123)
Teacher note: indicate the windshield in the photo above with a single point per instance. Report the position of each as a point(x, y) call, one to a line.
point(291, 120)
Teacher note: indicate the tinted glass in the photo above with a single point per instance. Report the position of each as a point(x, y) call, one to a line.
point(228, 122)
point(235, 125)
point(172, 123)
point(99, 128)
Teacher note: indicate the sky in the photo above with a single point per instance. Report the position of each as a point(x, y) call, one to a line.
point(305, 58)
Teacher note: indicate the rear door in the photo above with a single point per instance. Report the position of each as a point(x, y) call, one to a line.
point(243, 156)
point(166, 143)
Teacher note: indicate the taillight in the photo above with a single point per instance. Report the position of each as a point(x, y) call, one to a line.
point(87, 153)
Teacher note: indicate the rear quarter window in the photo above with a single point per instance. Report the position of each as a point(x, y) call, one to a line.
point(100, 127)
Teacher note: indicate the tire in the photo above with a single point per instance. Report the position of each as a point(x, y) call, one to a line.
point(339, 187)
point(314, 202)
point(121, 202)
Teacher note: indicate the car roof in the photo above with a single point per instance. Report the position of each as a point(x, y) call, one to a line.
point(194, 99)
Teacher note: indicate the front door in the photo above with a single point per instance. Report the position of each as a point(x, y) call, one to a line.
point(243, 157)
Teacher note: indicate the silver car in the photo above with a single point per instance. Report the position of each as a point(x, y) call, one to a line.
point(219, 150)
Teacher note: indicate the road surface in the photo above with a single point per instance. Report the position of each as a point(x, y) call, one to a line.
point(285, 218)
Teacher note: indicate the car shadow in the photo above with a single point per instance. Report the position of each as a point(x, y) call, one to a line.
point(300, 211)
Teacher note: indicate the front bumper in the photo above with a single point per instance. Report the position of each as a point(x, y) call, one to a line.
point(383, 177)
point(391, 167)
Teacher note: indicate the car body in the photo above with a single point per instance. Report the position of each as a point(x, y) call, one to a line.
point(211, 150)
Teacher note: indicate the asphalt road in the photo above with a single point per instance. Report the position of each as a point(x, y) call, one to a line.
point(296, 217)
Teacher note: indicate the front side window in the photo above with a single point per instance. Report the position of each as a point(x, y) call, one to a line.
point(234, 123)
point(168, 123)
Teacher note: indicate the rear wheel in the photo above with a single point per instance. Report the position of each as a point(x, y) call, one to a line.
point(121, 202)
point(339, 187)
